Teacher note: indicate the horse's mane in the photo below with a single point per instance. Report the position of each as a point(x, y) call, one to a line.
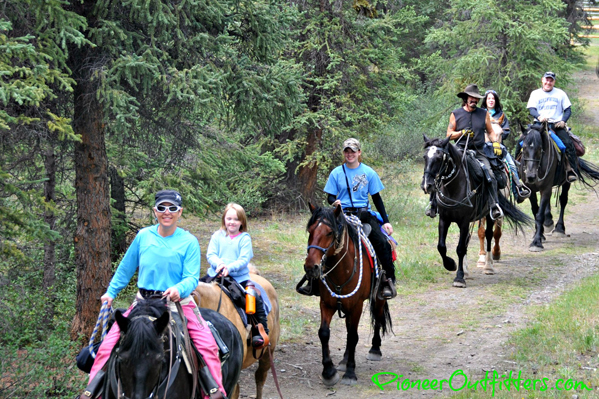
point(329, 215)
point(141, 334)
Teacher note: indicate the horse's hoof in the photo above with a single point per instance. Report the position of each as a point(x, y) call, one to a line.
point(329, 382)
point(496, 256)
point(349, 381)
point(374, 356)
point(342, 366)
point(482, 259)
point(450, 265)
point(459, 283)
point(534, 248)
point(558, 234)
point(489, 271)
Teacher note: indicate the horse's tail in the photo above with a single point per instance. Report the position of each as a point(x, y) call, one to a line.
point(383, 320)
point(514, 216)
point(589, 173)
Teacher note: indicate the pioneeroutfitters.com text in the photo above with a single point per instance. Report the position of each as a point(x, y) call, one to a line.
point(492, 383)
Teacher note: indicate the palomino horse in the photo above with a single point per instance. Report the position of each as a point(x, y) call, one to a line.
point(542, 171)
point(145, 366)
point(338, 259)
point(462, 198)
point(212, 297)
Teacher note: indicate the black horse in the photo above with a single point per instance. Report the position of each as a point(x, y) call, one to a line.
point(542, 170)
point(462, 198)
point(143, 365)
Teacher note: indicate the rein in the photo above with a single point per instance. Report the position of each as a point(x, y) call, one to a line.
point(442, 180)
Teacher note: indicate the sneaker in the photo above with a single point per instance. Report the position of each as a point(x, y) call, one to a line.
point(257, 341)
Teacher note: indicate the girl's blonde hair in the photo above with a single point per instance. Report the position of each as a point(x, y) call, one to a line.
point(240, 215)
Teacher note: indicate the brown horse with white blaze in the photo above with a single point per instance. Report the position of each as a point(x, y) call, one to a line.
point(338, 259)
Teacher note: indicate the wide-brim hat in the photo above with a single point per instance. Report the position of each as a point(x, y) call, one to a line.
point(472, 91)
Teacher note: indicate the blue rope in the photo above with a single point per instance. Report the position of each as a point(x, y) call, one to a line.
point(105, 312)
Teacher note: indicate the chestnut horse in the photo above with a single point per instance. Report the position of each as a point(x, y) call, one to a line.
point(211, 297)
point(338, 259)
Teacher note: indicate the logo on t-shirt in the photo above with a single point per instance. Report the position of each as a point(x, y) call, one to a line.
point(359, 181)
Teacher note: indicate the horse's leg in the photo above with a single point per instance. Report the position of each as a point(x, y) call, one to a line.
point(235, 393)
point(560, 228)
point(461, 250)
point(496, 237)
point(262, 371)
point(489, 236)
point(548, 223)
point(380, 318)
point(448, 263)
point(329, 372)
point(351, 324)
point(481, 238)
point(537, 241)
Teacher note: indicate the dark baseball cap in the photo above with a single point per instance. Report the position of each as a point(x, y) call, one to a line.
point(171, 196)
point(549, 74)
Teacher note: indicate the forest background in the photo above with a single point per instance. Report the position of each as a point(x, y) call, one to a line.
point(105, 102)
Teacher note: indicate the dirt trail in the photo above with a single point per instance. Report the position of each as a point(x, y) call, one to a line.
point(442, 330)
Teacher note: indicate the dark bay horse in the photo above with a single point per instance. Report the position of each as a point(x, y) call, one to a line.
point(144, 366)
point(462, 198)
point(346, 280)
point(542, 171)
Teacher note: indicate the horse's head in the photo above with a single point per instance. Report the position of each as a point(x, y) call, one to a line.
point(325, 228)
point(436, 153)
point(140, 355)
point(532, 153)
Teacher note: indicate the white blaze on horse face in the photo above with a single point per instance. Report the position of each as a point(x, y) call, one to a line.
point(431, 151)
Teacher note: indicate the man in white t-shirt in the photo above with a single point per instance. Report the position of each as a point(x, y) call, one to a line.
point(552, 104)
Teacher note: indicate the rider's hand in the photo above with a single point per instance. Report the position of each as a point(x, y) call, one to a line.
point(106, 298)
point(222, 268)
point(560, 125)
point(497, 149)
point(467, 133)
point(388, 228)
point(172, 294)
point(334, 204)
point(542, 118)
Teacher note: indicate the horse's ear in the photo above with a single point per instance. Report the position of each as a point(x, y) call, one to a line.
point(161, 322)
point(337, 210)
point(122, 321)
point(312, 207)
point(426, 139)
point(445, 142)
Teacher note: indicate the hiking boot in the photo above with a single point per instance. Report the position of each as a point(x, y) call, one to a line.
point(260, 338)
point(387, 290)
point(387, 293)
point(311, 287)
point(522, 193)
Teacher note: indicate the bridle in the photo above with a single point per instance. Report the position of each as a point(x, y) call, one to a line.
point(160, 384)
point(448, 172)
point(538, 160)
point(337, 242)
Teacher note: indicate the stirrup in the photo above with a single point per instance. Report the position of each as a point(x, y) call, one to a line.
point(571, 176)
point(523, 191)
point(261, 339)
point(497, 208)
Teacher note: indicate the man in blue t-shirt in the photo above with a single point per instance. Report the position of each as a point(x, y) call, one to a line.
point(349, 185)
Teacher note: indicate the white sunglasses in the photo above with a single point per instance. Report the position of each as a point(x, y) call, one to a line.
point(171, 208)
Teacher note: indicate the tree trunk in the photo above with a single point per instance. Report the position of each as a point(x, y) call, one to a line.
point(92, 238)
point(117, 193)
point(308, 174)
point(49, 246)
